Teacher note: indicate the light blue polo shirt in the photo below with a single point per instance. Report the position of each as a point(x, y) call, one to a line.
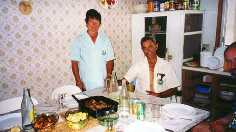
point(92, 58)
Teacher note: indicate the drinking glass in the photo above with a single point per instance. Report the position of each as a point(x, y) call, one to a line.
point(60, 99)
point(156, 111)
point(108, 85)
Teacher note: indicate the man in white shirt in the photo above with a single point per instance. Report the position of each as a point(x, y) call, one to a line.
point(153, 74)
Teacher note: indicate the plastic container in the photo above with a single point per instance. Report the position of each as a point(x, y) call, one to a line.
point(203, 89)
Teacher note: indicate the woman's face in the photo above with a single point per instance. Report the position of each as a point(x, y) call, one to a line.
point(149, 48)
point(93, 25)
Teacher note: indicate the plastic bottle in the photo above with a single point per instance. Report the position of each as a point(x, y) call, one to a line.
point(27, 110)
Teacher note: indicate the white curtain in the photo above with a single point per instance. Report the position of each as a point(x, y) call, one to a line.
point(229, 21)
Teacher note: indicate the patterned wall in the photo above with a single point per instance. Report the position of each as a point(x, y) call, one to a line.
point(34, 49)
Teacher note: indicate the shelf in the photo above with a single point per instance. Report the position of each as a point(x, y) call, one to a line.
point(193, 33)
point(206, 70)
point(155, 33)
point(194, 104)
point(217, 107)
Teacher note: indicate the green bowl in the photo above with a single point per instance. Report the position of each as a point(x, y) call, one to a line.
point(108, 120)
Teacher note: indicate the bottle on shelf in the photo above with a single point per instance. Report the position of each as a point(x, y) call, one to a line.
point(156, 5)
point(27, 110)
point(162, 5)
point(186, 4)
point(150, 6)
point(167, 5)
point(171, 5)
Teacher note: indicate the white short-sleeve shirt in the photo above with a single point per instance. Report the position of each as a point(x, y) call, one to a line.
point(92, 58)
point(140, 73)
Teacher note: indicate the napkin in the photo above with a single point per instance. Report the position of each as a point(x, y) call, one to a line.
point(178, 111)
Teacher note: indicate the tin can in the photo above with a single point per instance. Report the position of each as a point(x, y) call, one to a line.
point(137, 109)
point(140, 110)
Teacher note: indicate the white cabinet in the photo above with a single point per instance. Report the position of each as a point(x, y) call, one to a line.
point(175, 30)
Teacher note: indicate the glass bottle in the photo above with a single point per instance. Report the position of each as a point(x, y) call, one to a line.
point(186, 4)
point(114, 81)
point(27, 110)
point(171, 5)
point(124, 100)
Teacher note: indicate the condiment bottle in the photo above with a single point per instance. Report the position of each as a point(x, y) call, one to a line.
point(186, 4)
point(150, 6)
point(27, 110)
point(156, 5)
point(171, 5)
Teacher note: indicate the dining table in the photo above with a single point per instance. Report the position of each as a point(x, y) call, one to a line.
point(153, 114)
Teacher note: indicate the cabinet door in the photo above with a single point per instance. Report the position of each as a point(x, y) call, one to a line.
point(192, 46)
point(193, 22)
point(155, 27)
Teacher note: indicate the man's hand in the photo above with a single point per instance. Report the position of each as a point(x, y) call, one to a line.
point(165, 94)
point(80, 84)
point(153, 93)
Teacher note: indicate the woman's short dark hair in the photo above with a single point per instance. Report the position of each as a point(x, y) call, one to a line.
point(232, 46)
point(144, 39)
point(94, 14)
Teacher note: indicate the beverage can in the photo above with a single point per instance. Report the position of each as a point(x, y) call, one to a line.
point(141, 110)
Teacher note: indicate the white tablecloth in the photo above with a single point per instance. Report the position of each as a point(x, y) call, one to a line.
point(176, 125)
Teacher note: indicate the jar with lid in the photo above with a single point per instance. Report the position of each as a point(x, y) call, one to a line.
point(156, 5)
point(171, 5)
point(195, 5)
point(162, 5)
point(150, 6)
point(167, 6)
point(186, 4)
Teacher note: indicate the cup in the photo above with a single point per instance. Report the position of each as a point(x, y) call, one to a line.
point(156, 112)
point(130, 87)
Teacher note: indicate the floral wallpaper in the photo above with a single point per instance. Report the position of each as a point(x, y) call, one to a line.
point(34, 48)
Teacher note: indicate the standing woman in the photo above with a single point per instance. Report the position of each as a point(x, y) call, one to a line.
point(92, 55)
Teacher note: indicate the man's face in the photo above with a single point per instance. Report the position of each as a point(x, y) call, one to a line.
point(149, 49)
point(230, 60)
point(93, 25)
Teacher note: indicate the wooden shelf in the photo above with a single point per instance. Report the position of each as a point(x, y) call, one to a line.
point(192, 76)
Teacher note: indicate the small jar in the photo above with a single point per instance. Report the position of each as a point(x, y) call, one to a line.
point(150, 6)
point(171, 5)
point(167, 6)
point(186, 4)
point(156, 5)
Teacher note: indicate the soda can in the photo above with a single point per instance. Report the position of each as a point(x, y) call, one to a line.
point(140, 110)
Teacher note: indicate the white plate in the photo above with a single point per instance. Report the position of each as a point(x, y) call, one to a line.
point(10, 120)
point(175, 110)
point(213, 63)
point(12, 104)
point(219, 52)
point(70, 102)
